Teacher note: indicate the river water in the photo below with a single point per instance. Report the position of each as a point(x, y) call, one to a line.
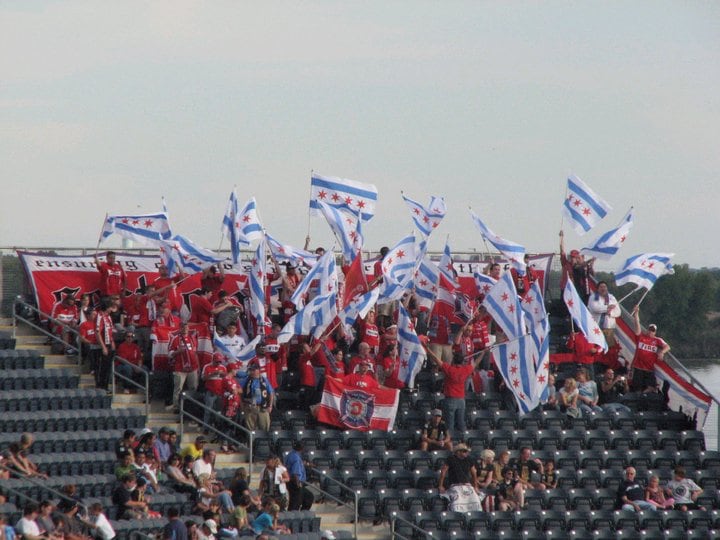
point(708, 373)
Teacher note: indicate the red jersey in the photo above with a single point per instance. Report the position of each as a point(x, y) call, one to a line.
point(171, 293)
point(466, 347)
point(214, 385)
point(646, 353)
point(131, 306)
point(65, 314)
point(391, 366)
point(130, 352)
point(213, 283)
point(307, 371)
point(112, 278)
point(455, 377)
point(231, 398)
point(201, 309)
point(87, 331)
point(584, 351)
point(185, 347)
point(360, 381)
point(356, 360)
point(104, 330)
point(370, 335)
point(170, 322)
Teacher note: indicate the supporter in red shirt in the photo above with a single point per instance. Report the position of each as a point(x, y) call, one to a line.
point(585, 353)
point(391, 368)
point(213, 375)
point(166, 319)
point(166, 287)
point(576, 268)
point(456, 376)
point(363, 378)
point(308, 380)
point(104, 328)
point(232, 391)
point(369, 332)
point(130, 351)
point(112, 275)
point(143, 310)
point(363, 355)
point(463, 342)
point(88, 338)
point(480, 329)
point(67, 314)
point(212, 280)
point(290, 280)
point(389, 337)
point(649, 350)
point(183, 357)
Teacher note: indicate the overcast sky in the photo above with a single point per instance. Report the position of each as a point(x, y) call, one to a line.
point(107, 106)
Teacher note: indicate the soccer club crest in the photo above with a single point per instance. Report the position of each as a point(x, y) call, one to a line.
point(356, 409)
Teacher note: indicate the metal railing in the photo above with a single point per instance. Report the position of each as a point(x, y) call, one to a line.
point(354, 492)
point(27, 478)
point(224, 434)
point(394, 534)
point(144, 388)
point(18, 317)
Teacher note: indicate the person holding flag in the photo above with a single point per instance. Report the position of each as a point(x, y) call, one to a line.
point(456, 375)
point(577, 269)
point(649, 350)
point(112, 275)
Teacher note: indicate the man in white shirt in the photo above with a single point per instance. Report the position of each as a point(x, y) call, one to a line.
point(605, 309)
point(204, 465)
point(26, 526)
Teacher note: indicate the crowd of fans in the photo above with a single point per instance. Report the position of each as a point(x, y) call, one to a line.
point(123, 326)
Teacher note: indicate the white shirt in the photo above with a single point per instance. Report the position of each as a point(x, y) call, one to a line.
point(598, 306)
point(235, 344)
point(27, 527)
point(104, 530)
point(201, 467)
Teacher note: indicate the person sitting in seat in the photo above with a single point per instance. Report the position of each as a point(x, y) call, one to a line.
point(631, 494)
point(435, 435)
point(459, 470)
point(684, 491)
point(510, 492)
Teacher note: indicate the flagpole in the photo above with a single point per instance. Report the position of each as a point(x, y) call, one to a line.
point(636, 289)
point(97, 247)
point(308, 225)
point(643, 296)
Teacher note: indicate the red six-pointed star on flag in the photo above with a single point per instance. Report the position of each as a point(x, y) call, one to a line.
point(423, 282)
point(335, 197)
point(586, 211)
point(577, 202)
point(570, 303)
point(360, 204)
point(322, 194)
point(596, 331)
point(259, 274)
point(126, 221)
point(504, 297)
point(135, 221)
point(348, 201)
point(513, 356)
point(511, 308)
point(404, 363)
point(426, 219)
point(400, 254)
point(541, 378)
point(253, 262)
point(246, 218)
point(148, 223)
point(435, 224)
point(514, 370)
point(417, 211)
point(516, 383)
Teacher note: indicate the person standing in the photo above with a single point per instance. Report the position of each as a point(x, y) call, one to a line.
point(112, 275)
point(605, 309)
point(300, 497)
point(649, 350)
point(183, 355)
point(104, 334)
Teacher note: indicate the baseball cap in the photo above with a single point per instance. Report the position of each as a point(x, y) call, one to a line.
point(210, 524)
point(652, 327)
point(436, 412)
point(574, 253)
point(460, 446)
point(233, 365)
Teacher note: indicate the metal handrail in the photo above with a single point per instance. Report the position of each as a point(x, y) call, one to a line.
point(394, 534)
point(70, 329)
point(344, 503)
point(251, 434)
point(41, 486)
point(146, 376)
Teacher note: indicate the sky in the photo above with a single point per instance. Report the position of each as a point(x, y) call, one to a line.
point(105, 107)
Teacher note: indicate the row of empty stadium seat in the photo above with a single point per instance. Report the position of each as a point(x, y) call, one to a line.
point(6, 340)
point(73, 420)
point(76, 463)
point(570, 524)
point(56, 442)
point(89, 485)
point(21, 359)
point(54, 400)
point(38, 379)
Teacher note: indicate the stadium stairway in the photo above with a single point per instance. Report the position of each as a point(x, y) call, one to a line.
point(33, 352)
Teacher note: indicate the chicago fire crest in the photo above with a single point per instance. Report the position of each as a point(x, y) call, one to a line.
point(356, 409)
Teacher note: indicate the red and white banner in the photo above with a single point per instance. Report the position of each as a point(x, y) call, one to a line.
point(360, 409)
point(682, 395)
point(52, 277)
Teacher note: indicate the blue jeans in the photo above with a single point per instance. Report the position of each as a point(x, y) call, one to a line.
point(226, 501)
point(454, 413)
point(616, 407)
point(644, 505)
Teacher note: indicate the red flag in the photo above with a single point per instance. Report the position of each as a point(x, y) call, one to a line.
point(355, 280)
point(355, 408)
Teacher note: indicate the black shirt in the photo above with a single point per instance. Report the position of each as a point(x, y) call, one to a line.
point(436, 433)
point(632, 489)
point(459, 470)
